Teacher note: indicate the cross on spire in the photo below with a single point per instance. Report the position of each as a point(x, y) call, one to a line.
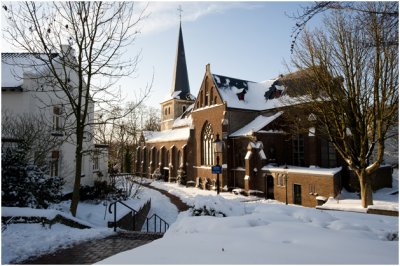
point(180, 10)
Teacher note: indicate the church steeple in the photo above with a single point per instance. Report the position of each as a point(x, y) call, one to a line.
point(180, 81)
point(180, 98)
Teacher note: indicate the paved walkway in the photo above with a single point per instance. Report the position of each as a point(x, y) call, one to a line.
point(93, 251)
point(174, 199)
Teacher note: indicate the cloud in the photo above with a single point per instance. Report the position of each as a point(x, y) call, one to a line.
point(164, 15)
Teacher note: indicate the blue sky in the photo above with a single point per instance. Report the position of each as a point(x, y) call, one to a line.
point(247, 40)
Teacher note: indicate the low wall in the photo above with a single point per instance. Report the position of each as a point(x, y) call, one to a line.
point(133, 222)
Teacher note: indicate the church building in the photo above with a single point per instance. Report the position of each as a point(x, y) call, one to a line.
point(259, 156)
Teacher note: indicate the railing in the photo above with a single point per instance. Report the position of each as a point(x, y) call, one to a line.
point(4, 226)
point(161, 222)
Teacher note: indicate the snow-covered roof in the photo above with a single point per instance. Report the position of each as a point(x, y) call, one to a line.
point(303, 170)
point(177, 95)
point(14, 65)
point(167, 135)
point(243, 94)
point(185, 120)
point(257, 124)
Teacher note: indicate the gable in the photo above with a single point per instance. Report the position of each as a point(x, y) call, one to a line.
point(208, 94)
point(14, 65)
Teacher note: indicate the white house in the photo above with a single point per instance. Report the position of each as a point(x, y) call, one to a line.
point(25, 88)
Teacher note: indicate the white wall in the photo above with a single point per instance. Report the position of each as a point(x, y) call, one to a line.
point(35, 101)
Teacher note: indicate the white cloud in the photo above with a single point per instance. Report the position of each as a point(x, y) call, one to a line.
point(164, 15)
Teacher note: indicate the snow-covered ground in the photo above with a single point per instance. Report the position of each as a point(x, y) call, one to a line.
point(272, 234)
point(384, 199)
point(21, 241)
point(255, 231)
point(268, 232)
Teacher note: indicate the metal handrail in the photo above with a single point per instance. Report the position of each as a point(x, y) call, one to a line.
point(162, 221)
point(4, 226)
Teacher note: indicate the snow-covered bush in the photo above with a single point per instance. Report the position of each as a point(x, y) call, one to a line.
point(207, 211)
point(181, 178)
point(157, 174)
point(25, 185)
point(216, 206)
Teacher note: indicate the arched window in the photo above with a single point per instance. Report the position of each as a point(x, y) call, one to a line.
point(207, 153)
point(180, 161)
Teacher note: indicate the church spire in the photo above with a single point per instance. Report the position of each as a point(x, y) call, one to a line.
point(180, 81)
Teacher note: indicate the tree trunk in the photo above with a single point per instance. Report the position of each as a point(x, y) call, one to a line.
point(78, 170)
point(365, 188)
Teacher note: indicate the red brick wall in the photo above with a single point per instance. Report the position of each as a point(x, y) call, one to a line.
point(324, 186)
point(212, 113)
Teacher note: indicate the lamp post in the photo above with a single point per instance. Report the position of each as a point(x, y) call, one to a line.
point(286, 178)
point(217, 151)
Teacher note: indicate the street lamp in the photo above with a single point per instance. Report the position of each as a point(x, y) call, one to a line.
point(286, 178)
point(217, 151)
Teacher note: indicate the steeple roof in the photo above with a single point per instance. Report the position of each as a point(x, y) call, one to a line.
point(180, 81)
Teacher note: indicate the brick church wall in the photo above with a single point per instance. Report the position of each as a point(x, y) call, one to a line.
point(311, 187)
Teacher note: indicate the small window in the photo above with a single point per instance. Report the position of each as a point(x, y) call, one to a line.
point(311, 189)
point(54, 163)
point(183, 109)
point(57, 122)
point(96, 161)
point(281, 180)
point(298, 150)
point(169, 110)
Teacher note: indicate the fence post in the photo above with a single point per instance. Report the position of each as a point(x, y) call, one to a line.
point(115, 216)
point(134, 221)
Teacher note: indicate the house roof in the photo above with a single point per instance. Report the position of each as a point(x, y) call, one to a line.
point(249, 95)
point(14, 65)
point(257, 124)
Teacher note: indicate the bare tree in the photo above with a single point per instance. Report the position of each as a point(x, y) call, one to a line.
point(354, 72)
point(122, 135)
point(308, 12)
point(31, 131)
point(100, 34)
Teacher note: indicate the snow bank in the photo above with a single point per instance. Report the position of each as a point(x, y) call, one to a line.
point(272, 234)
point(21, 241)
point(45, 213)
point(219, 204)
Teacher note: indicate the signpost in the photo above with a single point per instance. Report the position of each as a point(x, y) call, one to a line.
point(216, 169)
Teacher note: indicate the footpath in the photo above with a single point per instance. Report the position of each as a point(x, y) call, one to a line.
point(90, 252)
